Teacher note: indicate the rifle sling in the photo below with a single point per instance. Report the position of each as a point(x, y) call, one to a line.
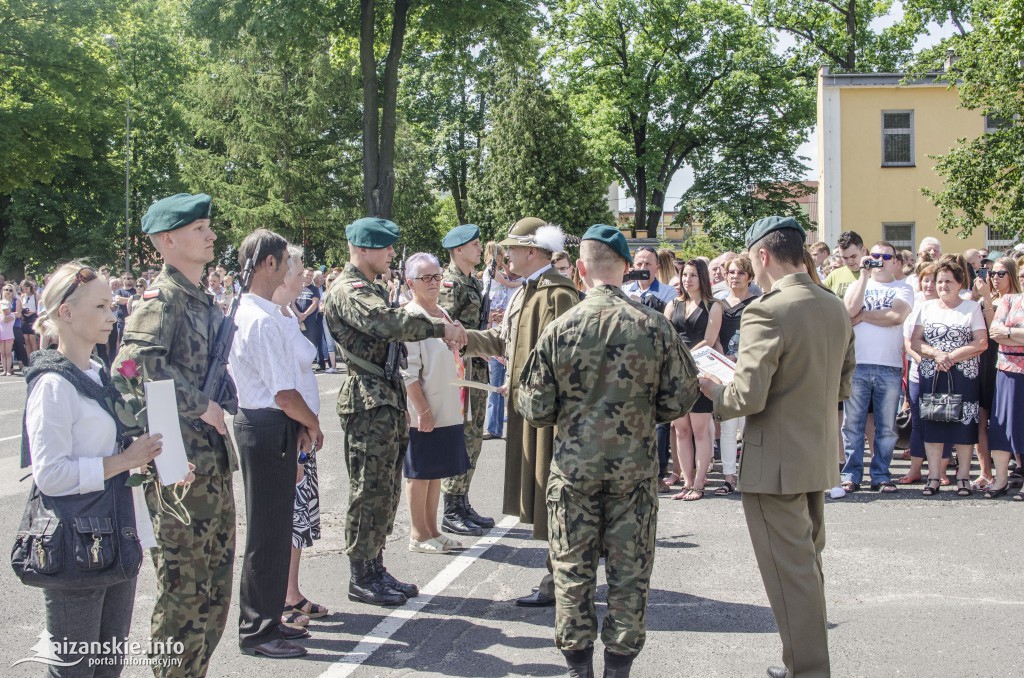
point(375, 370)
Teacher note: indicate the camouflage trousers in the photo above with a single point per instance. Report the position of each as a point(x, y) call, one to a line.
point(193, 573)
point(375, 444)
point(587, 520)
point(474, 428)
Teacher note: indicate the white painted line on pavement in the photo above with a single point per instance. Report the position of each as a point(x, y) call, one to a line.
point(16, 382)
point(4, 440)
point(6, 412)
point(397, 619)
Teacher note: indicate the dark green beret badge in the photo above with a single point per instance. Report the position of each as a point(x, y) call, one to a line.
point(373, 233)
point(174, 212)
point(763, 227)
point(460, 235)
point(610, 236)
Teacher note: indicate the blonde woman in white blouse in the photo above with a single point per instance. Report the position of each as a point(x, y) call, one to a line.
point(73, 447)
point(436, 411)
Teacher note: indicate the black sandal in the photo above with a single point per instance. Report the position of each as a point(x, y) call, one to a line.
point(726, 488)
point(992, 493)
point(963, 487)
point(1019, 496)
point(930, 491)
point(314, 611)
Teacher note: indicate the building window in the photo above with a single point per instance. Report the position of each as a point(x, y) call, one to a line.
point(999, 239)
point(994, 123)
point(897, 138)
point(901, 235)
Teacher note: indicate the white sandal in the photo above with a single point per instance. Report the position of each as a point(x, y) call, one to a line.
point(426, 546)
point(449, 543)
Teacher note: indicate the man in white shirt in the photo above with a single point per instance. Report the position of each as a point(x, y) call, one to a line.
point(650, 292)
point(272, 424)
point(877, 304)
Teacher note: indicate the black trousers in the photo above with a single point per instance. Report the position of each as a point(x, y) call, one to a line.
point(267, 441)
point(315, 333)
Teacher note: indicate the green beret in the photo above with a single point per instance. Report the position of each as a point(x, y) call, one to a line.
point(763, 227)
point(994, 256)
point(373, 233)
point(460, 235)
point(610, 236)
point(174, 212)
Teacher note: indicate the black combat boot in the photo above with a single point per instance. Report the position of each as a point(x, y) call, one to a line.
point(366, 586)
point(407, 590)
point(470, 512)
point(617, 665)
point(581, 662)
point(455, 519)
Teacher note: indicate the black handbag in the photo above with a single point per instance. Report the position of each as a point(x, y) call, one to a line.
point(941, 407)
point(78, 541)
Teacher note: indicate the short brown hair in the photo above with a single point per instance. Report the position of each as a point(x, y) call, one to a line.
point(954, 269)
point(743, 262)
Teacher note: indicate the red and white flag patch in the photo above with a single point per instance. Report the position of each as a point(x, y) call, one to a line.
point(151, 293)
point(358, 284)
point(448, 283)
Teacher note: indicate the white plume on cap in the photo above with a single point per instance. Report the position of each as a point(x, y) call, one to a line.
point(550, 237)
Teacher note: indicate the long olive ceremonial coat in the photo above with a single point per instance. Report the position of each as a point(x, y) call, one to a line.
point(528, 450)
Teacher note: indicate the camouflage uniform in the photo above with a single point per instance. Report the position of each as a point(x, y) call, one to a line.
point(170, 335)
point(604, 374)
point(371, 408)
point(461, 296)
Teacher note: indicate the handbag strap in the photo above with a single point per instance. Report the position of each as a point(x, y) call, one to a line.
point(949, 381)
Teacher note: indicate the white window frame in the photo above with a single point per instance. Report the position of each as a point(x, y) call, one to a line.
point(896, 241)
point(909, 131)
point(997, 243)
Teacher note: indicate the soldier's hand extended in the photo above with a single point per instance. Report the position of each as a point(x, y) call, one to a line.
point(214, 416)
point(455, 336)
point(144, 449)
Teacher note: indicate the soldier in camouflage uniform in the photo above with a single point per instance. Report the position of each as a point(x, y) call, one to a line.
point(372, 408)
point(169, 335)
point(604, 374)
point(462, 297)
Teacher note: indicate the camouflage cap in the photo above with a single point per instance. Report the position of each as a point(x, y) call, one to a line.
point(460, 235)
point(763, 227)
point(610, 236)
point(522, 232)
point(173, 212)
point(373, 233)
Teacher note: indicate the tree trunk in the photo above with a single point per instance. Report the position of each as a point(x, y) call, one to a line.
point(851, 35)
point(654, 215)
point(380, 127)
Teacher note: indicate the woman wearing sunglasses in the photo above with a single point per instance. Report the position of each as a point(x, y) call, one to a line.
point(73, 445)
point(1006, 425)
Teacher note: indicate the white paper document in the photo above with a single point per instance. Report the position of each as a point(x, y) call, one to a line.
point(474, 384)
point(162, 413)
point(710, 361)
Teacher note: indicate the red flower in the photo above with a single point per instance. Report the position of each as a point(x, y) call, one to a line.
point(129, 369)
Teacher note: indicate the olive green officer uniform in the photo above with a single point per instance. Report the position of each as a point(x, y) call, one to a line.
point(797, 361)
point(170, 335)
point(604, 374)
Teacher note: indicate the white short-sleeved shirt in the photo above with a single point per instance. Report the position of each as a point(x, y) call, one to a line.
point(69, 434)
point(261, 363)
point(877, 345)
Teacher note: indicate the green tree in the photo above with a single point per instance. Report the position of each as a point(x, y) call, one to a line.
point(983, 178)
point(660, 84)
point(839, 33)
point(535, 161)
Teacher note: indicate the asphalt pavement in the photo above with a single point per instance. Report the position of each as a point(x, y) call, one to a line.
point(916, 587)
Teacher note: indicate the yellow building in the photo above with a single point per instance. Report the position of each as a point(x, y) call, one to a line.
point(875, 138)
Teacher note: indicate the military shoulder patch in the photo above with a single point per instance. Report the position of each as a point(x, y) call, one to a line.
point(151, 293)
point(359, 284)
point(448, 283)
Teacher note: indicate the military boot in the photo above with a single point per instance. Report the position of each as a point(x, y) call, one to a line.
point(455, 519)
point(617, 665)
point(366, 586)
point(581, 662)
point(407, 590)
point(470, 512)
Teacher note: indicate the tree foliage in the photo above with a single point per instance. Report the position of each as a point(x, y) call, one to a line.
point(536, 161)
point(983, 178)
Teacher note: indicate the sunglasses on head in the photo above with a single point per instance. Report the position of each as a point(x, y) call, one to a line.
point(879, 255)
point(84, 275)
